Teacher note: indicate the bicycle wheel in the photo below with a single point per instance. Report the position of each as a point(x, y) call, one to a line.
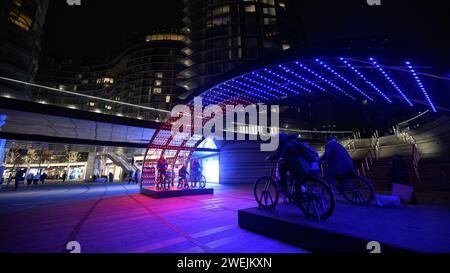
point(315, 198)
point(202, 182)
point(266, 193)
point(358, 190)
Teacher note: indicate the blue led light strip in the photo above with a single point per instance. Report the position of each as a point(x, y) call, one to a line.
point(253, 88)
point(269, 80)
point(343, 79)
point(233, 92)
point(375, 63)
point(421, 86)
point(264, 85)
point(287, 70)
point(287, 80)
point(224, 95)
point(365, 79)
point(325, 80)
point(245, 91)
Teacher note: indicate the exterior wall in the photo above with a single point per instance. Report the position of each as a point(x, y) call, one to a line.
point(21, 28)
point(144, 74)
point(242, 162)
point(224, 34)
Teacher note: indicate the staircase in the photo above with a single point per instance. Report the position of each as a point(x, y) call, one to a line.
point(121, 162)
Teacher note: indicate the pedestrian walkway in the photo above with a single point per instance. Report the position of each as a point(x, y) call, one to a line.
point(115, 218)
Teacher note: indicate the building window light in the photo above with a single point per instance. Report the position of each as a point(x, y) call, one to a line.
point(91, 103)
point(250, 8)
point(168, 98)
point(157, 90)
point(159, 75)
point(285, 46)
point(157, 83)
point(21, 20)
point(105, 81)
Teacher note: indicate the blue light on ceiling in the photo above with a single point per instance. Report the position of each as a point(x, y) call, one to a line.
point(263, 85)
point(244, 91)
point(253, 88)
point(287, 81)
point(325, 80)
point(287, 70)
point(388, 78)
point(271, 81)
point(421, 86)
point(326, 66)
point(365, 79)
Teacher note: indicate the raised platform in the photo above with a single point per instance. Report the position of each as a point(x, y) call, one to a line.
point(350, 229)
point(174, 192)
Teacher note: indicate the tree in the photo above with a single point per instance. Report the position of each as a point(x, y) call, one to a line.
point(16, 156)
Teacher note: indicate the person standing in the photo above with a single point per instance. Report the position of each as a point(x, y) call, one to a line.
point(136, 177)
point(43, 177)
point(131, 177)
point(64, 177)
point(18, 178)
point(36, 178)
point(30, 177)
point(111, 177)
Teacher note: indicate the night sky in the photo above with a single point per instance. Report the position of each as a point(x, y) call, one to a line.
point(99, 26)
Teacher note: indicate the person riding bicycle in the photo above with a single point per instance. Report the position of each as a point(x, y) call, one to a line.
point(297, 158)
point(161, 166)
point(196, 170)
point(340, 163)
point(182, 173)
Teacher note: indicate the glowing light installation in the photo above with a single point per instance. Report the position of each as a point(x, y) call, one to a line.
point(365, 79)
point(421, 86)
point(388, 78)
point(325, 80)
point(343, 79)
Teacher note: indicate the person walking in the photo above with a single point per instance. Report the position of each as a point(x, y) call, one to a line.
point(10, 178)
point(44, 176)
point(36, 179)
point(18, 178)
point(130, 178)
point(30, 177)
point(137, 176)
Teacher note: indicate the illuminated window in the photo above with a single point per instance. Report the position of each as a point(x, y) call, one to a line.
point(92, 104)
point(218, 21)
point(164, 37)
point(117, 98)
point(108, 107)
point(268, 21)
point(269, 11)
point(21, 20)
point(62, 87)
point(106, 81)
point(250, 8)
point(157, 90)
point(168, 99)
point(157, 83)
point(220, 10)
point(283, 5)
point(285, 46)
point(159, 75)
point(269, 2)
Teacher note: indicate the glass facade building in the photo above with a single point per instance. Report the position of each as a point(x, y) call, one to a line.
point(224, 34)
point(144, 74)
point(21, 29)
